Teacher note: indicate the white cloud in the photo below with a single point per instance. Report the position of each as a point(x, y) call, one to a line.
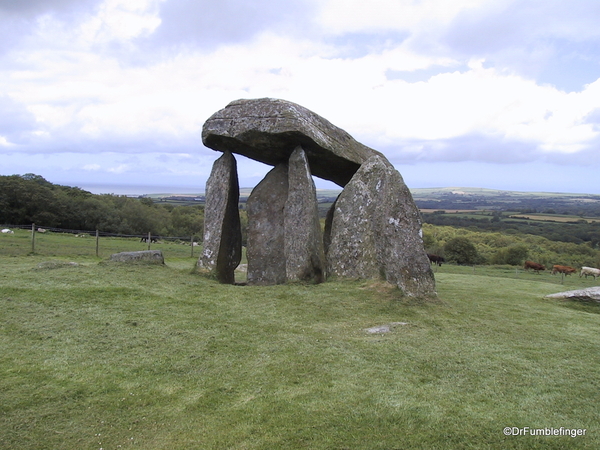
point(121, 168)
point(96, 97)
point(343, 16)
point(92, 167)
point(121, 20)
point(120, 76)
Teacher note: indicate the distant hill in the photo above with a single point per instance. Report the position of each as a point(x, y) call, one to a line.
point(493, 193)
point(453, 198)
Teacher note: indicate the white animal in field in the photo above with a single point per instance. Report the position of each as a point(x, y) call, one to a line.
point(7, 231)
point(589, 271)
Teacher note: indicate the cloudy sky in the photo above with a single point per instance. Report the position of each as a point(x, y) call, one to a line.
point(111, 95)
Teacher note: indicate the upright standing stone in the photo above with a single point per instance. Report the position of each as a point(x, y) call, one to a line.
point(222, 250)
point(305, 258)
point(376, 231)
point(350, 235)
point(266, 239)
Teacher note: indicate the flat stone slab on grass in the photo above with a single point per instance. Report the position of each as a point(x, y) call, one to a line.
point(144, 257)
point(384, 328)
point(586, 295)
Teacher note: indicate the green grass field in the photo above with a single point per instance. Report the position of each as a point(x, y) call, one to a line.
point(104, 356)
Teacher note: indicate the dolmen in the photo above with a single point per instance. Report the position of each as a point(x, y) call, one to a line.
point(372, 231)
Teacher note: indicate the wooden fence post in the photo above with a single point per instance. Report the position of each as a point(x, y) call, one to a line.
point(149, 239)
point(192, 244)
point(33, 238)
point(97, 242)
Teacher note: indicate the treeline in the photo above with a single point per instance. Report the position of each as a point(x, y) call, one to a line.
point(29, 198)
point(577, 231)
point(472, 246)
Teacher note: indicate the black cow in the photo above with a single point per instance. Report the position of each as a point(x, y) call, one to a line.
point(435, 259)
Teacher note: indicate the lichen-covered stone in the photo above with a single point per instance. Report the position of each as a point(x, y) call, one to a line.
point(350, 234)
point(266, 239)
point(144, 257)
point(305, 258)
point(222, 249)
point(585, 295)
point(269, 130)
point(375, 231)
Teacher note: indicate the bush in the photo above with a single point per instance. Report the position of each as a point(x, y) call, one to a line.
point(514, 255)
point(461, 251)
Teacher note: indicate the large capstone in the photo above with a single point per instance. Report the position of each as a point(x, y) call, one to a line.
point(269, 130)
point(266, 240)
point(222, 250)
point(375, 231)
point(305, 258)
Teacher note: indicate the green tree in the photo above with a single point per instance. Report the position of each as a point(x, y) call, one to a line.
point(514, 255)
point(186, 221)
point(461, 251)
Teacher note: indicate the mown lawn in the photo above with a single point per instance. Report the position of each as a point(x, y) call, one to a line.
point(101, 356)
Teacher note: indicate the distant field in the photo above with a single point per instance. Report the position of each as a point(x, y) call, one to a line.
point(478, 214)
point(554, 218)
point(104, 356)
point(457, 211)
point(495, 193)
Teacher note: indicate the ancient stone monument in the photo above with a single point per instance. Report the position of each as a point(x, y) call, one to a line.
point(373, 230)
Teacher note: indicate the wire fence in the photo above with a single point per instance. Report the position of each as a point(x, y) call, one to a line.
point(39, 240)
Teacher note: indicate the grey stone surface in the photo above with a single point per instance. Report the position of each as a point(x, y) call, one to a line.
point(222, 250)
point(265, 248)
point(146, 256)
point(268, 130)
point(305, 258)
point(375, 231)
point(588, 294)
point(381, 329)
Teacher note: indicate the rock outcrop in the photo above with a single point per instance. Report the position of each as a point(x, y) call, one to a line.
point(374, 231)
point(269, 130)
point(222, 250)
point(585, 295)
